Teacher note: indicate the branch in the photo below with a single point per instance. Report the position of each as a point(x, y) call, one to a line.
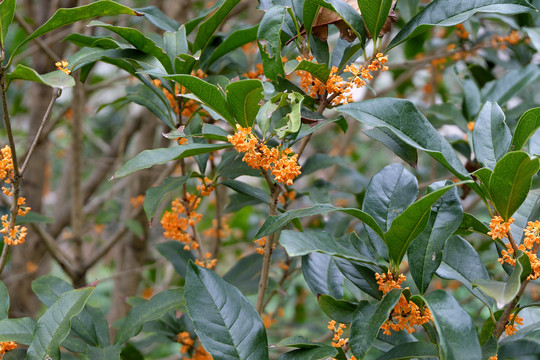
point(55, 251)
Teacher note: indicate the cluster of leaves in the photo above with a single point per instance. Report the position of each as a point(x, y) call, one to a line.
point(432, 234)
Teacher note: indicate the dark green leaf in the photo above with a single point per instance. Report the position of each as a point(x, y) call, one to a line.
point(226, 323)
point(54, 325)
point(298, 341)
point(457, 333)
point(322, 275)
point(528, 211)
point(158, 18)
point(155, 195)
point(367, 321)
point(310, 12)
point(55, 79)
point(246, 189)
point(320, 71)
point(491, 136)
point(502, 291)
point(338, 310)
point(511, 181)
point(64, 17)
point(361, 276)
point(153, 309)
point(243, 98)
point(416, 349)
point(385, 136)
point(501, 90)
point(375, 13)
point(105, 353)
point(527, 125)
point(4, 299)
point(207, 93)
point(19, 330)
point(438, 13)
point(269, 41)
point(245, 274)
point(209, 27)
point(175, 253)
point(149, 158)
point(425, 252)
point(318, 353)
point(471, 224)
point(233, 41)
point(7, 11)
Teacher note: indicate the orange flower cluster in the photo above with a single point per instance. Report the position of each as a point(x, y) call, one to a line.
point(461, 32)
point(470, 125)
point(255, 74)
point(529, 248)
point(208, 262)
point(6, 346)
point(405, 314)
point(137, 201)
point(199, 353)
point(335, 85)
point(62, 66)
point(510, 328)
point(338, 331)
point(261, 243)
point(500, 42)
point(289, 196)
point(282, 165)
point(190, 106)
point(214, 232)
point(496, 357)
point(499, 228)
point(13, 235)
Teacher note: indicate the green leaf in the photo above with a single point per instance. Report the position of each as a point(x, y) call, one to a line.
point(438, 13)
point(149, 158)
point(501, 90)
point(362, 277)
point(320, 71)
point(55, 79)
point(20, 330)
point(207, 93)
point(303, 243)
point(491, 136)
point(367, 321)
point(310, 12)
point(418, 349)
point(225, 321)
point(425, 252)
point(527, 125)
point(403, 119)
point(156, 194)
point(64, 17)
point(175, 253)
point(410, 223)
point(269, 41)
point(153, 309)
point(503, 292)
point(54, 325)
point(275, 223)
point(385, 136)
point(457, 333)
point(534, 35)
point(461, 262)
point(7, 11)
point(322, 275)
point(245, 274)
point(209, 27)
point(106, 353)
point(511, 181)
point(375, 13)
point(528, 211)
point(298, 341)
point(318, 353)
point(339, 310)
point(233, 41)
point(471, 224)
point(158, 18)
point(4, 300)
point(246, 189)
point(243, 98)
point(175, 43)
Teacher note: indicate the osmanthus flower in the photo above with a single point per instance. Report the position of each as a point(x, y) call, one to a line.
point(338, 341)
point(499, 228)
point(405, 314)
point(63, 66)
point(281, 163)
point(510, 328)
point(6, 346)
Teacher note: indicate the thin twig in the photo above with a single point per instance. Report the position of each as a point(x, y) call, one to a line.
point(55, 251)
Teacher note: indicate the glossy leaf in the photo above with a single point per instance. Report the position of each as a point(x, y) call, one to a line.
point(104, 353)
point(20, 330)
point(501, 90)
point(246, 273)
point(511, 181)
point(403, 119)
point(175, 253)
point(208, 27)
point(64, 17)
point(502, 291)
point(367, 321)
point(4, 301)
point(320, 71)
point(158, 18)
point(534, 35)
point(457, 333)
point(338, 310)
point(386, 137)
point(361, 276)
point(471, 224)
point(153, 309)
point(243, 98)
point(54, 325)
point(425, 252)
point(156, 194)
point(207, 93)
point(275, 223)
point(438, 13)
point(491, 136)
point(149, 158)
point(7, 11)
point(461, 262)
point(309, 12)
point(232, 42)
point(415, 350)
point(528, 211)
point(303, 243)
point(375, 13)
point(55, 79)
point(269, 41)
point(226, 323)
point(317, 353)
point(527, 125)
point(322, 275)
point(410, 223)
